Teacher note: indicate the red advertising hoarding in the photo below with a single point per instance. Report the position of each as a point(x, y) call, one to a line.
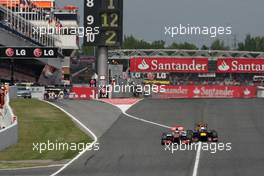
point(169, 64)
point(200, 91)
point(240, 65)
point(83, 92)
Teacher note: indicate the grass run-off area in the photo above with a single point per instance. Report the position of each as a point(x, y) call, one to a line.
point(40, 122)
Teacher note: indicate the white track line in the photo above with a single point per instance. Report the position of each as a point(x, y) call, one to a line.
point(146, 121)
point(82, 125)
point(140, 119)
point(33, 167)
point(198, 153)
point(197, 159)
point(137, 118)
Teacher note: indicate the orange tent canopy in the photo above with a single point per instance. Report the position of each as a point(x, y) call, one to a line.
point(44, 4)
point(37, 3)
point(71, 7)
point(10, 3)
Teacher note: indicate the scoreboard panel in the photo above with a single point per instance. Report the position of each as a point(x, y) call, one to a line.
point(103, 21)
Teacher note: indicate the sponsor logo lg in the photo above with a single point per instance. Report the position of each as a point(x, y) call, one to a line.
point(151, 76)
point(10, 52)
point(37, 52)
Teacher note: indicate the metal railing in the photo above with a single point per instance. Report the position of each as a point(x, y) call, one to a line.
point(21, 22)
point(212, 54)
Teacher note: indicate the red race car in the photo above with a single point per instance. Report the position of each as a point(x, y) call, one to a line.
point(167, 139)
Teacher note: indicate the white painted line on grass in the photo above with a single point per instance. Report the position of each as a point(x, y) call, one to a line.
point(197, 159)
point(82, 125)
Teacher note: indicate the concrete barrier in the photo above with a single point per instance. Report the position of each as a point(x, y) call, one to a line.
point(260, 92)
point(9, 126)
point(37, 92)
point(8, 136)
point(12, 92)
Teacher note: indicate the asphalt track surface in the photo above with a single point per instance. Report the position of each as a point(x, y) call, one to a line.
point(95, 115)
point(132, 148)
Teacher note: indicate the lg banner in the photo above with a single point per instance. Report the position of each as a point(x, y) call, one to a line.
point(208, 92)
point(240, 65)
point(181, 65)
point(28, 52)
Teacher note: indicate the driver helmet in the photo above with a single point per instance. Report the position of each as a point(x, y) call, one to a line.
point(203, 128)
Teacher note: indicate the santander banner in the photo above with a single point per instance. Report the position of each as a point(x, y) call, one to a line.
point(194, 91)
point(190, 65)
point(240, 65)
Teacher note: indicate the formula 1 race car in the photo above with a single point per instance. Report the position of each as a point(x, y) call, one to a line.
point(177, 132)
point(200, 125)
point(201, 133)
point(185, 138)
point(177, 135)
point(181, 136)
point(170, 138)
point(167, 139)
point(177, 128)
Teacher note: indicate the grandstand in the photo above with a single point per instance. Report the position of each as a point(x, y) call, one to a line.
point(21, 22)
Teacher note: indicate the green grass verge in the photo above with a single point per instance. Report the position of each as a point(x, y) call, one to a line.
point(40, 122)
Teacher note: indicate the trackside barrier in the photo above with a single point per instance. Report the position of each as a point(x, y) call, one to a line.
point(37, 92)
point(260, 92)
point(83, 92)
point(9, 126)
point(207, 91)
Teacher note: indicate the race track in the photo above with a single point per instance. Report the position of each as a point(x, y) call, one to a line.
point(131, 147)
point(91, 114)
